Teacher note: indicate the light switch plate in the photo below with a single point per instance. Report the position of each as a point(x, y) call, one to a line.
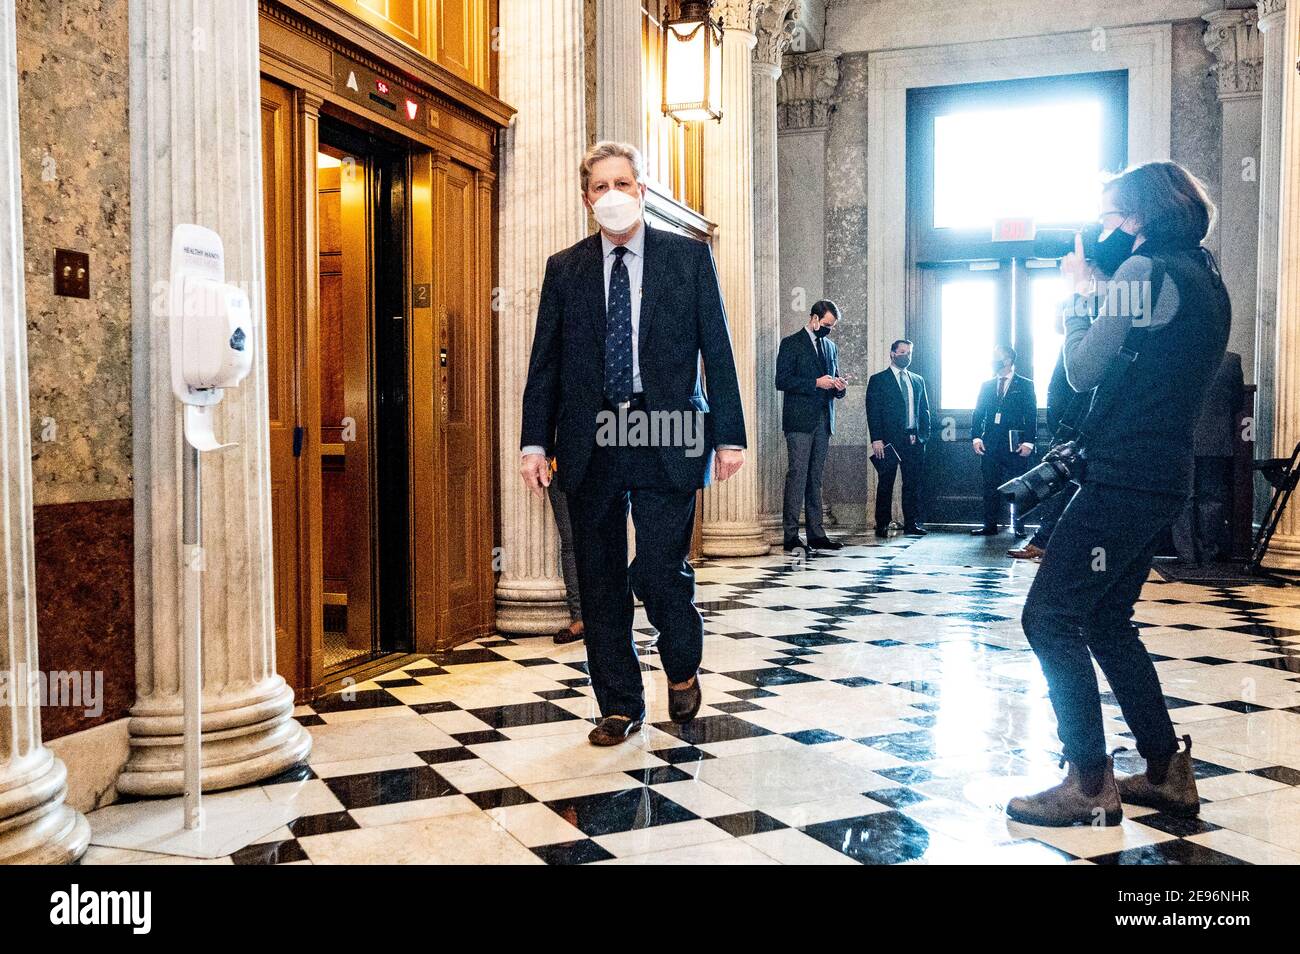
point(71, 273)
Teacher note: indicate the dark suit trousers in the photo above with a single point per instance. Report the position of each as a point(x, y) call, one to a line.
point(997, 467)
point(912, 463)
point(1201, 531)
point(806, 463)
point(619, 479)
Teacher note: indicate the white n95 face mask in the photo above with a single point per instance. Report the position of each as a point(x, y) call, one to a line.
point(616, 211)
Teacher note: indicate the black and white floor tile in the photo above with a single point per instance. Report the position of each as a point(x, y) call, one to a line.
point(877, 706)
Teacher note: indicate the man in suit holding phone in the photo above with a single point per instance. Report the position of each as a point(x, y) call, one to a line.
point(1003, 433)
point(625, 319)
point(898, 421)
point(808, 376)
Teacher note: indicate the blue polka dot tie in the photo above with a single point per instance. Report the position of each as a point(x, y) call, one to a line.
point(618, 332)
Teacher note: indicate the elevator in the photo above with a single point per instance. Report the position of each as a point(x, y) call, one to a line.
point(362, 454)
point(378, 196)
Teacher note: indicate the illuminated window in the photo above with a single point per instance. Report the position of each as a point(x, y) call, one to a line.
point(1038, 149)
point(996, 163)
point(968, 333)
point(1046, 294)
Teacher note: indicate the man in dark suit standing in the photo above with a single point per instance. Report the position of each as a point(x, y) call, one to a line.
point(1003, 432)
point(898, 421)
point(614, 392)
point(807, 374)
point(1201, 532)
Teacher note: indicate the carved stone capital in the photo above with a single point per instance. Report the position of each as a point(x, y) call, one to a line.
point(1270, 11)
point(775, 27)
point(1233, 37)
point(806, 89)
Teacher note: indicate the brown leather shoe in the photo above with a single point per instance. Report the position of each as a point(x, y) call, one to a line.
point(569, 634)
point(683, 704)
point(1067, 804)
point(1028, 552)
point(613, 730)
point(1176, 795)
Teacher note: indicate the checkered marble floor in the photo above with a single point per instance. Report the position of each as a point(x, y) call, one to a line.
point(878, 705)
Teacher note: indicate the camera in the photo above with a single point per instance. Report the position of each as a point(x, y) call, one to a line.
point(1061, 465)
point(1057, 243)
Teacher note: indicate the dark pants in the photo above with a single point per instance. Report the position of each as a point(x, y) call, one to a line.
point(568, 560)
point(911, 461)
point(1082, 599)
point(806, 457)
point(1201, 531)
point(1049, 514)
point(620, 478)
point(996, 468)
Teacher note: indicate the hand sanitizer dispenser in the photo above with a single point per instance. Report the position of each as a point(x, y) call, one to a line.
point(211, 330)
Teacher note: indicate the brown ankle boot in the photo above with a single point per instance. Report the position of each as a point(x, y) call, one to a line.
point(1067, 804)
point(1176, 795)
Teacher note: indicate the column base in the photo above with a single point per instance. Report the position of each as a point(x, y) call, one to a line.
point(1283, 553)
point(36, 827)
point(773, 528)
point(531, 607)
point(735, 540)
point(250, 742)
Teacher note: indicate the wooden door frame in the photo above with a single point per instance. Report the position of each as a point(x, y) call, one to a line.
point(300, 43)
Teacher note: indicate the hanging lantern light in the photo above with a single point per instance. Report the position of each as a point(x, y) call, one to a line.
point(692, 64)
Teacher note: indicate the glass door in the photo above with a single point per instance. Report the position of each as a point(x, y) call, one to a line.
point(966, 312)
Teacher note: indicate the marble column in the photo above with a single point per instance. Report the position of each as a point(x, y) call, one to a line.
point(36, 826)
point(1232, 36)
point(804, 92)
point(541, 213)
point(196, 157)
point(620, 105)
point(732, 525)
point(775, 28)
point(1276, 64)
point(1285, 549)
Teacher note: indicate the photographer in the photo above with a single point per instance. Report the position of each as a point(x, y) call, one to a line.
point(1166, 303)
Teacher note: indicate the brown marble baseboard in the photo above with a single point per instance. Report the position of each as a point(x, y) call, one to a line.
point(85, 608)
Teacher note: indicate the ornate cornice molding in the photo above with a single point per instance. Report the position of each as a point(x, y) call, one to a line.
point(775, 25)
point(805, 92)
point(1233, 37)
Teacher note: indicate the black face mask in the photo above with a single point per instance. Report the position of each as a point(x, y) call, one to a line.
point(822, 332)
point(1112, 251)
point(901, 361)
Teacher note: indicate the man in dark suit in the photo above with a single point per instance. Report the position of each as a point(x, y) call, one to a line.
point(614, 392)
point(1201, 532)
point(808, 376)
point(1003, 432)
point(898, 421)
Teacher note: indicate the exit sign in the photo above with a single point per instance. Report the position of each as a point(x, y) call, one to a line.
point(1013, 230)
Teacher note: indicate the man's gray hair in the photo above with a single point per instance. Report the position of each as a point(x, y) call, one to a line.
point(607, 149)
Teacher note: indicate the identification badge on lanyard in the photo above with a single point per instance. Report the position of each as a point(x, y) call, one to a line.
point(997, 418)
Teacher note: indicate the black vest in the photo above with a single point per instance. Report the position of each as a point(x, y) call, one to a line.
point(1143, 437)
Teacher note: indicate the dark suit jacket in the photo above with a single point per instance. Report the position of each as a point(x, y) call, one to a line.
point(682, 319)
point(1064, 403)
point(887, 408)
point(797, 369)
point(1019, 408)
point(1215, 434)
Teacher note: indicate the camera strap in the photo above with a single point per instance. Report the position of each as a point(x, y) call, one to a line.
point(1105, 393)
